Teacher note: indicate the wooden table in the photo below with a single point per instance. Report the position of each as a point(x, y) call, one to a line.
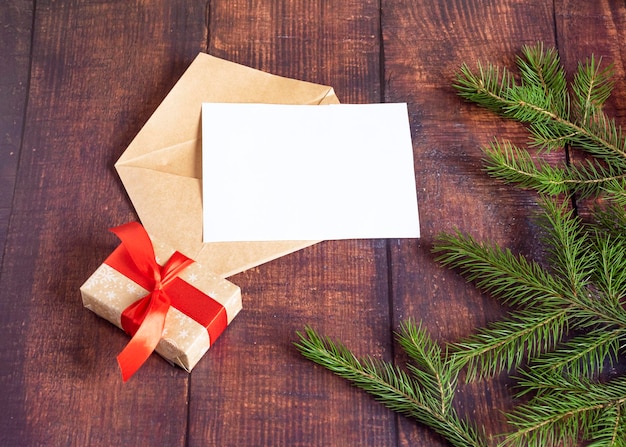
point(78, 79)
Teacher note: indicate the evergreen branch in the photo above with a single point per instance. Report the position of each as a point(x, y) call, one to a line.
point(610, 431)
point(610, 266)
point(514, 165)
point(503, 345)
point(591, 266)
point(488, 87)
point(564, 417)
point(391, 386)
point(568, 244)
point(496, 90)
point(513, 279)
point(501, 94)
point(549, 138)
point(517, 281)
point(584, 355)
point(592, 86)
point(543, 69)
point(611, 218)
point(431, 368)
point(591, 178)
point(540, 381)
point(569, 321)
point(603, 139)
point(529, 103)
point(511, 164)
point(615, 191)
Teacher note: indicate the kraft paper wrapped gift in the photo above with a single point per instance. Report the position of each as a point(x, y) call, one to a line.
point(161, 168)
point(202, 303)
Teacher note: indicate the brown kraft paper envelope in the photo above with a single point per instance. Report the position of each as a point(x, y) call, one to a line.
point(161, 168)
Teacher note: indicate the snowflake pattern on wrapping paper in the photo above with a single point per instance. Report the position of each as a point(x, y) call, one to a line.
point(180, 317)
point(135, 290)
point(192, 278)
point(102, 277)
point(111, 296)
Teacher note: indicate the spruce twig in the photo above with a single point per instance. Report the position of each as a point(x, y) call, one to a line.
point(423, 392)
point(567, 323)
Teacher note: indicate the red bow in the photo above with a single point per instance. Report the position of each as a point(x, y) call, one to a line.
point(145, 318)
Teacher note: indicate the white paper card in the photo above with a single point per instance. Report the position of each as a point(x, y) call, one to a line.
point(300, 172)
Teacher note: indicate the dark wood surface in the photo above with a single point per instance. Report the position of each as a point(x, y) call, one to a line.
point(77, 81)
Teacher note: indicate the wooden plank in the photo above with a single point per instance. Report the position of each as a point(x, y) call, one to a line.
point(331, 44)
point(586, 29)
point(255, 389)
point(597, 28)
point(594, 28)
point(16, 18)
point(98, 71)
point(425, 43)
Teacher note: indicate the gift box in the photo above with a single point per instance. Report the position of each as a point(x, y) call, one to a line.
point(166, 301)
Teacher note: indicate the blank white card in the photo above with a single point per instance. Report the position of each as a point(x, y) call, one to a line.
point(300, 172)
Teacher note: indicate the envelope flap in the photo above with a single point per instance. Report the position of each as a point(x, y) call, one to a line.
point(169, 206)
point(183, 159)
point(210, 79)
point(161, 168)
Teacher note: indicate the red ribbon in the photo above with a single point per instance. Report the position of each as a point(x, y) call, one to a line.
point(144, 319)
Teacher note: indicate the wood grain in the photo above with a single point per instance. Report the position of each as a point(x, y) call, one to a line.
point(266, 393)
point(595, 29)
point(98, 71)
point(77, 81)
point(425, 45)
point(15, 35)
point(16, 18)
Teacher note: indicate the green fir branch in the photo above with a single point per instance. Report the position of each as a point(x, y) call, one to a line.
point(431, 366)
point(566, 326)
point(424, 396)
point(515, 165)
point(542, 381)
point(611, 219)
point(505, 344)
point(542, 69)
point(513, 279)
point(567, 244)
point(584, 355)
point(533, 102)
point(610, 266)
point(615, 191)
point(592, 85)
point(574, 412)
point(487, 87)
point(552, 305)
point(609, 431)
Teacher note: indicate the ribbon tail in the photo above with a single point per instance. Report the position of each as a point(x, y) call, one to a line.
point(139, 248)
point(145, 340)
